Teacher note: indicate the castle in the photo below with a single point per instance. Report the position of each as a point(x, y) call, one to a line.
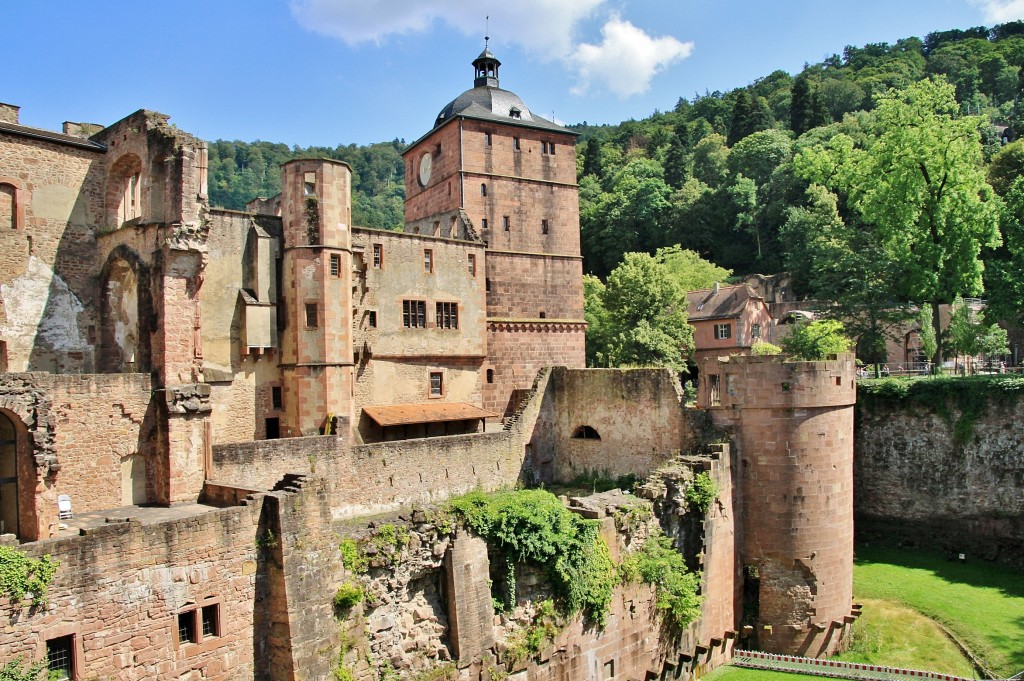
point(192, 399)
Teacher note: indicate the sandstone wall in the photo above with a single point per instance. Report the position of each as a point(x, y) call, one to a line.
point(918, 484)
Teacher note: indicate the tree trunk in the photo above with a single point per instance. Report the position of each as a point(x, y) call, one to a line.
point(937, 359)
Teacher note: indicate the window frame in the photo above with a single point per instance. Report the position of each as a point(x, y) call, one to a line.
point(414, 314)
point(428, 260)
point(471, 264)
point(506, 222)
point(446, 315)
point(517, 144)
point(723, 331)
point(335, 265)
point(437, 393)
point(545, 227)
point(312, 319)
point(378, 256)
point(197, 611)
point(71, 640)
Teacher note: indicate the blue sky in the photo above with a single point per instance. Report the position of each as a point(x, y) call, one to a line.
point(328, 72)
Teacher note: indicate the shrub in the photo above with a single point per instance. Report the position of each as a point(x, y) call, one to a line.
point(21, 576)
point(15, 671)
point(764, 348)
point(659, 564)
point(348, 595)
point(352, 558)
point(701, 492)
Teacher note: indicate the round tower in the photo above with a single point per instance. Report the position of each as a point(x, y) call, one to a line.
point(316, 342)
point(793, 433)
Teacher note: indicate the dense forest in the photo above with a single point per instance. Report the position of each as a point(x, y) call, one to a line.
point(886, 167)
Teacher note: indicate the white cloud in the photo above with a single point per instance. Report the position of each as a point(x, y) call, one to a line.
point(627, 59)
point(545, 27)
point(1000, 11)
point(624, 63)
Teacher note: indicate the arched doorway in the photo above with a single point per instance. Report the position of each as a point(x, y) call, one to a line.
point(8, 476)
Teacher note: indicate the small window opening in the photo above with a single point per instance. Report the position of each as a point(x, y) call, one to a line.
point(715, 387)
point(543, 226)
point(428, 260)
point(187, 627)
point(487, 139)
point(335, 265)
point(436, 384)
point(276, 397)
point(543, 314)
point(483, 223)
point(312, 320)
point(210, 620)
point(60, 658)
point(309, 189)
point(483, 189)
point(371, 319)
point(487, 285)
point(506, 223)
point(586, 433)
point(378, 256)
point(472, 264)
point(490, 375)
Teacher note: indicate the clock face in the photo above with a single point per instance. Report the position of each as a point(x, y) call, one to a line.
point(425, 163)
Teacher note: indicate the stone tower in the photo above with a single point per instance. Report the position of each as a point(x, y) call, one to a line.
point(793, 436)
point(512, 174)
point(316, 341)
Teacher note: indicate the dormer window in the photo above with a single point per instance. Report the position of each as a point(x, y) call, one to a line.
point(515, 112)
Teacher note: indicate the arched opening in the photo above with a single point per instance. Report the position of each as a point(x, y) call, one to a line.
point(124, 191)
point(124, 341)
point(586, 433)
point(17, 480)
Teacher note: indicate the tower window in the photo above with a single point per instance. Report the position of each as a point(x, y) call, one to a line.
point(378, 256)
point(487, 139)
point(543, 226)
point(428, 260)
point(515, 142)
point(472, 264)
point(276, 397)
point(335, 265)
point(551, 148)
point(483, 189)
point(308, 188)
point(487, 285)
point(483, 223)
point(490, 375)
point(371, 319)
point(506, 223)
point(312, 320)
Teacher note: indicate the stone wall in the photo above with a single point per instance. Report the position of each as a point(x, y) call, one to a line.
point(260, 465)
point(918, 484)
point(517, 350)
point(121, 587)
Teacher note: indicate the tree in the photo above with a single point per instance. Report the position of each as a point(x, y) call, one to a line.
point(921, 188)
point(1004, 271)
point(645, 316)
point(677, 158)
point(969, 335)
point(816, 340)
point(1006, 166)
point(598, 323)
point(592, 164)
point(749, 114)
point(690, 271)
point(800, 106)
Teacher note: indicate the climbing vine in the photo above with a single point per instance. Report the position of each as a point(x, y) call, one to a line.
point(16, 671)
point(21, 576)
point(659, 564)
point(533, 527)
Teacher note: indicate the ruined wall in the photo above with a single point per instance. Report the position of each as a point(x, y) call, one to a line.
point(47, 259)
point(636, 414)
point(121, 586)
point(931, 476)
point(87, 436)
point(262, 464)
point(517, 350)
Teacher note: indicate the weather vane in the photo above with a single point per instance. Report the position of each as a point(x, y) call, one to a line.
point(487, 29)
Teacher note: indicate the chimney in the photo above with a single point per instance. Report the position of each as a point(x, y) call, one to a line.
point(716, 288)
point(9, 113)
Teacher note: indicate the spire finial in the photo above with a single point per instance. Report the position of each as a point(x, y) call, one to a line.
point(487, 30)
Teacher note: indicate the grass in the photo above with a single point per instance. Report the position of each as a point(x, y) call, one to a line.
point(981, 603)
point(730, 673)
point(894, 635)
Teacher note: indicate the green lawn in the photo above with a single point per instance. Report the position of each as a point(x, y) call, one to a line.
point(730, 673)
point(981, 603)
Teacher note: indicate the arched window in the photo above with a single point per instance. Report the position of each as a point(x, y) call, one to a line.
point(586, 433)
point(8, 476)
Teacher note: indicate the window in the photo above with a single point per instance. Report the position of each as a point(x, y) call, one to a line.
point(547, 148)
point(755, 330)
point(472, 265)
point(197, 623)
point(506, 223)
point(586, 433)
point(483, 189)
point(8, 206)
point(210, 620)
point(487, 139)
point(483, 223)
point(436, 383)
point(551, 148)
point(544, 147)
point(276, 398)
point(715, 388)
point(378, 256)
point(414, 314)
point(335, 265)
point(447, 315)
point(60, 657)
point(543, 226)
point(308, 188)
point(428, 260)
point(371, 319)
point(515, 144)
point(187, 627)
point(487, 285)
point(490, 375)
point(311, 316)
point(723, 331)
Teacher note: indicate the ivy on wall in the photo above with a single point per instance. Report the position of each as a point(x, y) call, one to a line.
point(22, 577)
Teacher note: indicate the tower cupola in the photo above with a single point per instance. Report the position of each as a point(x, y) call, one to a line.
point(486, 68)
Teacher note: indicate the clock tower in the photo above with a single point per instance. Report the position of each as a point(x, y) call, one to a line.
point(512, 175)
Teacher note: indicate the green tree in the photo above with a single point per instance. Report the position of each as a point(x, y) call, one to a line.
point(690, 271)
point(816, 340)
point(750, 113)
point(921, 188)
point(800, 106)
point(1004, 271)
point(599, 327)
point(646, 310)
point(968, 334)
point(1006, 166)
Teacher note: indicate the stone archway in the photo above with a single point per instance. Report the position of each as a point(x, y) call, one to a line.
point(17, 479)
